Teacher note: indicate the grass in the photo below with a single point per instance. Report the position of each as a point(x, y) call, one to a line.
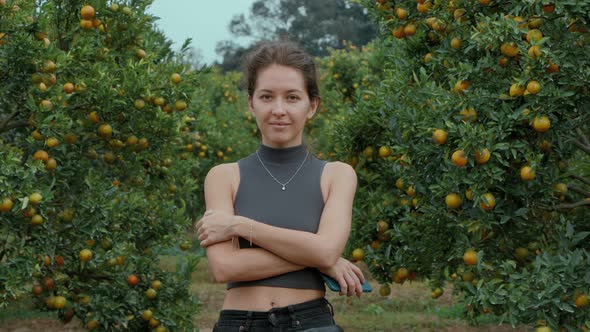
point(408, 308)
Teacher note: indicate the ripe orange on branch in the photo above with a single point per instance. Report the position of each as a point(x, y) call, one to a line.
point(470, 257)
point(87, 12)
point(488, 201)
point(458, 158)
point(453, 201)
point(439, 136)
point(541, 124)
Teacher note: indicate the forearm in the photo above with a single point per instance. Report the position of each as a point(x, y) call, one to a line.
point(246, 264)
point(303, 248)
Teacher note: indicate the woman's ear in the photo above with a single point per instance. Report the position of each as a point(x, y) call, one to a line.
point(313, 107)
point(250, 106)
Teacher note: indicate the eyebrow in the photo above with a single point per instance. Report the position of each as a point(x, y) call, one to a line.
point(288, 91)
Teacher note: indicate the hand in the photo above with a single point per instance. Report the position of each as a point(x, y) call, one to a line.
point(348, 275)
point(215, 226)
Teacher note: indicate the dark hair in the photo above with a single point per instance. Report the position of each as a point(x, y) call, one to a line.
point(281, 53)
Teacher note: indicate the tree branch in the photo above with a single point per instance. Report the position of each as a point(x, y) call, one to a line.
point(572, 205)
point(4, 123)
point(579, 190)
point(580, 178)
point(582, 146)
point(583, 136)
point(18, 124)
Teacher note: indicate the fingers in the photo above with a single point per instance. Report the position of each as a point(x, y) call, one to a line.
point(357, 271)
point(348, 276)
point(343, 285)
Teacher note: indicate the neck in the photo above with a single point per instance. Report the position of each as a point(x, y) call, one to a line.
point(289, 155)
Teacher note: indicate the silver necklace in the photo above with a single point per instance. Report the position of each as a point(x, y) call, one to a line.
point(282, 184)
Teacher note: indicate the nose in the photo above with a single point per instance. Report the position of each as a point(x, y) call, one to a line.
point(279, 107)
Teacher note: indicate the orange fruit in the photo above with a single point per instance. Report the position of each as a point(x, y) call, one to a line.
point(410, 30)
point(358, 254)
point(423, 7)
point(461, 86)
point(469, 194)
point(85, 255)
point(410, 191)
point(436, 293)
point(132, 279)
point(87, 12)
point(527, 173)
point(147, 315)
point(35, 198)
point(533, 87)
point(399, 183)
point(36, 220)
point(560, 189)
point(458, 158)
point(382, 226)
point(6, 205)
point(439, 136)
point(482, 156)
point(534, 34)
point(156, 284)
point(516, 90)
point(41, 155)
point(509, 49)
point(469, 114)
point(140, 54)
point(453, 201)
point(105, 130)
point(93, 116)
point(384, 290)
point(456, 43)
point(535, 51)
point(553, 68)
point(180, 105)
point(384, 152)
point(85, 24)
point(488, 201)
point(51, 142)
point(151, 293)
point(51, 164)
point(68, 88)
point(398, 32)
point(581, 301)
point(401, 13)
point(548, 8)
point(175, 78)
point(470, 257)
point(541, 124)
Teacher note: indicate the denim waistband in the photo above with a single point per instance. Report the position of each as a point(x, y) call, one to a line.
point(286, 310)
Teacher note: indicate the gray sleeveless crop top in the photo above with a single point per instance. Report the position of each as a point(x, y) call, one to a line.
point(299, 207)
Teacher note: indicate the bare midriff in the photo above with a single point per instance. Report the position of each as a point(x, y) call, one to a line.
point(264, 298)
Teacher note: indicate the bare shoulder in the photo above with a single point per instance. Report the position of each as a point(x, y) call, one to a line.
point(222, 173)
point(340, 173)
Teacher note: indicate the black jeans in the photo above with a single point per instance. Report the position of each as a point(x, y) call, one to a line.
point(315, 315)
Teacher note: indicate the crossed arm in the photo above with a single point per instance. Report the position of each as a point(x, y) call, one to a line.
point(283, 250)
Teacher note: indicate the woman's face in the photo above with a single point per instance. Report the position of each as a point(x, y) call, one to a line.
point(281, 105)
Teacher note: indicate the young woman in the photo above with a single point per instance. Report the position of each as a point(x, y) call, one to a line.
point(288, 212)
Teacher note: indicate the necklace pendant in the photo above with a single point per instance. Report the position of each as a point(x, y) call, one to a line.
point(284, 188)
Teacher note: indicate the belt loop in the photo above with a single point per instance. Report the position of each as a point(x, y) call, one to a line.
point(248, 322)
point(294, 321)
point(330, 305)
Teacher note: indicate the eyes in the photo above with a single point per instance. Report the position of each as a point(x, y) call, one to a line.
point(290, 98)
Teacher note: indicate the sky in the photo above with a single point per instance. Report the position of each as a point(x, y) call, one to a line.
point(205, 21)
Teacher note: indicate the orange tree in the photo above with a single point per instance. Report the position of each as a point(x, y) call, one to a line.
point(483, 105)
point(91, 105)
point(347, 76)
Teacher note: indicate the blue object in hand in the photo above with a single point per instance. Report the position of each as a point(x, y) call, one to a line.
point(335, 286)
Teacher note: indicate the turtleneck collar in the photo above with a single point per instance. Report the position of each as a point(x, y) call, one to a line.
point(290, 155)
